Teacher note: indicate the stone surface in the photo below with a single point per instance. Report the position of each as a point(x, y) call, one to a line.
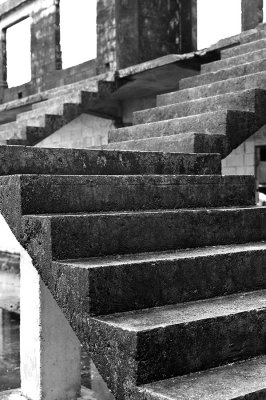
point(28, 160)
point(224, 74)
point(252, 100)
point(255, 55)
point(237, 381)
point(114, 284)
point(164, 342)
point(181, 143)
point(252, 14)
point(236, 125)
point(244, 48)
point(230, 85)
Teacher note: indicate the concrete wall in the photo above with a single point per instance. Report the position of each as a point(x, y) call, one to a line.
point(242, 160)
point(85, 131)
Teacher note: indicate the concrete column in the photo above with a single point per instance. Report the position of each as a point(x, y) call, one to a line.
point(252, 13)
point(3, 65)
point(50, 350)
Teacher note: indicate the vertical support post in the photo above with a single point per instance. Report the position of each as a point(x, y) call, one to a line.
point(50, 350)
point(3, 64)
point(252, 14)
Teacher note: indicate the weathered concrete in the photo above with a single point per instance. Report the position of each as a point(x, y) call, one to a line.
point(223, 74)
point(252, 100)
point(149, 280)
point(159, 343)
point(181, 143)
point(252, 14)
point(88, 235)
point(50, 350)
point(241, 380)
point(243, 48)
point(28, 160)
point(230, 85)
point(236, 125)
point(42, 194)
point(234, 61)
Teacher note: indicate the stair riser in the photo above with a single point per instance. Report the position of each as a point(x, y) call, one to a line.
point(27, 160)
point(258, 44)
point(235, 101)
point(236, 125)
point(142, 357)
point(43, 195)
point(232, 62)
point(214, 89)
point(182, 143)
point(241, 70)
point(156, 283)
point(83, 236)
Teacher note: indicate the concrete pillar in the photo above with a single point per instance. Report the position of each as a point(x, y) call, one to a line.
point(3, 64)
point(50, 350)
point(157, 28)
point(252, 13)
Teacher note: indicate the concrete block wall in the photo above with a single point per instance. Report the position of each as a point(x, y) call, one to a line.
point(85, 131)
point(242, 160)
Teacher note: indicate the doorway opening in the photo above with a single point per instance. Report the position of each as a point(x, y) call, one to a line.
point(217, 19)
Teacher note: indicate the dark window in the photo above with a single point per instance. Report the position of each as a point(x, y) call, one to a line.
point(263, 154)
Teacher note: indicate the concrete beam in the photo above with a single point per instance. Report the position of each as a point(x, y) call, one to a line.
point(49, 349)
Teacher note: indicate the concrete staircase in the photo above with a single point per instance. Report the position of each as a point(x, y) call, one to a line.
point(214, 111)
point(62, 106)
point(157, 260)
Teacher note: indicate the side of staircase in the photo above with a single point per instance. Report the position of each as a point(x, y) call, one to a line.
point(63, 105)
point(157, 261)
point(214, 111)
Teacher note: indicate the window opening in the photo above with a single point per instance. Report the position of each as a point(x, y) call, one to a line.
point(217, 19)
point(18, 52)
point(78, 31)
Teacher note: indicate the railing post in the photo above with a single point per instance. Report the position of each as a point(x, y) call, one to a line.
point(50, 350)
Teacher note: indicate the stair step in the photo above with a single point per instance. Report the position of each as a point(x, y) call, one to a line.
point(234, 61)
point(42, 194)
point(237, 381)
point(29, 160)
point(243, 48)
point(131, 282)
point(232, 85)
point(223, 74)
point(237, 125)
point(182, 143)
point(253, 100)
point(164, 342)
point(109, 233)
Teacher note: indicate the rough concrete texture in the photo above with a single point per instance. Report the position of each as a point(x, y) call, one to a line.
point(160, 343)
point(230, 85)
point(234, 71)
point(42, 194)
point(244, 48)
point(255, 55)
point(236, 125)
point(28, 160)
point(252, 100)
point(109, 233)
point(114, 284)
point(238, 381)
point(252, 13)
point(182, 143)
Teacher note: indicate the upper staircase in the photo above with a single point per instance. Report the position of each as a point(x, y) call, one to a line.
point(157, 260)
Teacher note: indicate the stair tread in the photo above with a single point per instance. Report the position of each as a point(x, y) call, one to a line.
point(228, 382)
point(171, 255)
point(184, 313)
point(146, 212)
